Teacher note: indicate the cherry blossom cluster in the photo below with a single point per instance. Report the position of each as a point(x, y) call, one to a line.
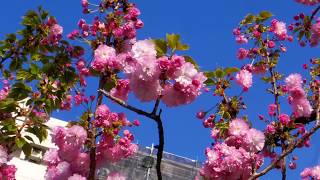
point(297, 96)
point(315, 33)
point(70, 159)
point(176, 80)
point(122, 22)
point(110, 148)
point(6, 171)
point(236, 156)
point(55, 32)
point(257, 32)
point(311, 173)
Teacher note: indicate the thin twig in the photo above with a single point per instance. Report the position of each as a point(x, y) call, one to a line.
point(127, 106)
point(285, 153)
point(155, 117)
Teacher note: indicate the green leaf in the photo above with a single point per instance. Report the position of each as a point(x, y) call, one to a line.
point(230, 70)
point(22, 74)
point(40, 132)
point(265, 14)
point(34, 69)
point(192, 61)
point(8, 105)
point(210, 74)
point(20, 91)
point(20, 142)
point(27, 149)
point(161, 47)
point(209, 82)
point(182, 47)
point(219, 73)
point(173, 40)
point(248, 19)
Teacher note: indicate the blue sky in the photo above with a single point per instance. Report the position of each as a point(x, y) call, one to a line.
point(207, 27)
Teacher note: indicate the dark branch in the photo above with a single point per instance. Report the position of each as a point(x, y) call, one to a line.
point(285, 153)
point(153, 116)
point(127, 106)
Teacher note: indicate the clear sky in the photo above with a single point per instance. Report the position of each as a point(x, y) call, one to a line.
point(207, 27)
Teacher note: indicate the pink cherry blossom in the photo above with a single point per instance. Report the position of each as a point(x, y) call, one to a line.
point(51, 157)
point(242, 53)
point(293, 80)
point(255, 139)
point(279, 29)
point(121, 90)
point(61, 171)
point(271, 128)
point(284, 119)
point(241, 39)
point(56, 30)
point(313, 173)
point(244, 78)
point(238, 127)
point(104, 57)
point(8, 172)
point(315, 33)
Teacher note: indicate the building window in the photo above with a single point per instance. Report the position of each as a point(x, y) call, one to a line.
point(36, 155)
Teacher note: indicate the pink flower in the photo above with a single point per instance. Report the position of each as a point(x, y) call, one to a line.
point(255, 139)
point(102, 111)
point(81, 164)
point(279, 29)
point(56, 30)
point(238, 127)
point(104, 57)
point(293, 80)
point(298, 99)
point(144, 50)
point(139, 86)
point(272, 109)
point(51, 157)
point(270, 128)
point(61, 171)
point(315, 33)
point(78, 99)
point(225, 161)
point(8, 172)
point(313, 173)
point(136, 122)
point(284, 119)
point(121, 90)
point(242, 53)
point(244, 78)
point(241, 39)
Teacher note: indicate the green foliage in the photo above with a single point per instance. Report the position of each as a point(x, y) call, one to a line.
point(261, 17)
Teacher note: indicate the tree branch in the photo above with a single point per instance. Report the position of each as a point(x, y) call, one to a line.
point(285, 153)
point(153, 116)
point(127, 106)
